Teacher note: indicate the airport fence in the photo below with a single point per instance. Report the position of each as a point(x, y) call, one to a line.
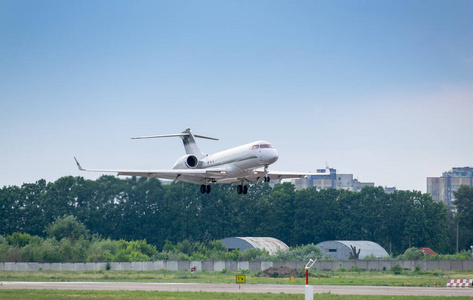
point(377, 265)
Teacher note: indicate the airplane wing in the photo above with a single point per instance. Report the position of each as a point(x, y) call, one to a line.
point(187, 175)
point(258, 176)
point(279, 175)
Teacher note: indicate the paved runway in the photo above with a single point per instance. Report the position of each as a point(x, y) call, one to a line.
point(245, 288)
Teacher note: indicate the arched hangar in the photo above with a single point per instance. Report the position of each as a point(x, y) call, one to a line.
point(344, 250)
point(242, 243)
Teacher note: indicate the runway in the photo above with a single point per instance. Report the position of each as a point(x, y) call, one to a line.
point(244, 288)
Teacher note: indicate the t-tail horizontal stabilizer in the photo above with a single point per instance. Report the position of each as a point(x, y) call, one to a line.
point(187, 137)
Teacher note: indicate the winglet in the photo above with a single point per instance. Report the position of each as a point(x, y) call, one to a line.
point(78, 164)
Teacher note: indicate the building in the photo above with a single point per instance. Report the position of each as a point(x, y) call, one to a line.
point(242, 243)
point(427, 251)
point(441, 188)
point(344, 250)
point(328, 178)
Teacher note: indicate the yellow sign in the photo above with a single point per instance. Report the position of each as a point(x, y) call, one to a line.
point(240, 279)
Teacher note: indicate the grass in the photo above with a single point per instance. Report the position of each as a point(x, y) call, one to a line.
point(69, 294)
point(377, 278)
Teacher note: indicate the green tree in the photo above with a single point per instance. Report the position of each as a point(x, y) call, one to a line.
point(464, 205)
point(280, 221)
point(34, 195)
point(19, 239)
point(412, 254)
point(67, 227)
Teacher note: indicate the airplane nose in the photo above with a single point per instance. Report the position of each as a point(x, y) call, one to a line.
point(272, 156)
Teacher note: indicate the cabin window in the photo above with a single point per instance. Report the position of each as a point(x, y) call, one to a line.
point(255, 147)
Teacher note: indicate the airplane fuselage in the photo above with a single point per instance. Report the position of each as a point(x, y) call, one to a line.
point(239, 160)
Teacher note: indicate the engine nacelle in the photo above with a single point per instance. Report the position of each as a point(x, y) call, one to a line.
point(186, 162)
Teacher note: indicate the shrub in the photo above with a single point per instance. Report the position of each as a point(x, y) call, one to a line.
point(65, 250)
point(253, 254)
point(101, 250)
point(370, 257)
point(300, 253)
point(19, 239)
point(396, 269)
point(31, 252)
point(67, 227)
point(355, 268)
point(412, 254)
point(50, 250)
point(463, 255)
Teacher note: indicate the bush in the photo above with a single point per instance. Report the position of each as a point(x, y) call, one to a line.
point(50, 250)
point(370, 257)
point(79, 250)
point(32, 253)
point(417, 269)
point(19, 239)
point(254, 254)
point(396, 269)
point(412, 254)
point(67, 227)
point(463, 255)
point(301, 253)
point(355, 268)
point(65, 250)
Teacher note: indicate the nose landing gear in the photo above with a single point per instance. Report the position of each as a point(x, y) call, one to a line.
point(266, 171)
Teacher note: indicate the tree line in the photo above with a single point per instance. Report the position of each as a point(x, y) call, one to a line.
point(68, 240)
point(138, 209)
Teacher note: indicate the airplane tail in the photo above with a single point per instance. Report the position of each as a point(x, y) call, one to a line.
point(188, 139)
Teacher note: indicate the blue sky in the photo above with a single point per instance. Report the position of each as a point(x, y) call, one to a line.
point(380, 89)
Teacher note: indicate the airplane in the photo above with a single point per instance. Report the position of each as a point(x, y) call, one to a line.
point(236, 166)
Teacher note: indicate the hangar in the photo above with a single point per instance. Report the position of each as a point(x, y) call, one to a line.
point(344, 250)
point(242, 243)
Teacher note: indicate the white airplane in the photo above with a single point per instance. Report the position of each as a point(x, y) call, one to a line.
point(237, 166)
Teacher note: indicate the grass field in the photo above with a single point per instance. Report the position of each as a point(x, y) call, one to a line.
point(72, 294)
point(378, 278)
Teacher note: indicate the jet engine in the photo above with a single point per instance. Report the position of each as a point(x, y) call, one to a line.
point(186, 162)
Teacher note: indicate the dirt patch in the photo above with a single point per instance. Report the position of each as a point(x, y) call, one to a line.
point(280, 272)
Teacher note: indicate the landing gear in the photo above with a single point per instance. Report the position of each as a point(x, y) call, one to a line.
point(205, 188)
point(242, 189)
point(266, 171)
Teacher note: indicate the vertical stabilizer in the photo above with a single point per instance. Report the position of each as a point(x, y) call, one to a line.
point(188, 139)
point(190, 145)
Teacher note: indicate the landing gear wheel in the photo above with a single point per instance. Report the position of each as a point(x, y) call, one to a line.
point(245, 189)
point(239, 189)
point(266, 179)
point(208, 189)
point(202, 189)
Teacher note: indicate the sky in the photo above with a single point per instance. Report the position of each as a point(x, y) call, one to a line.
point(379, 89)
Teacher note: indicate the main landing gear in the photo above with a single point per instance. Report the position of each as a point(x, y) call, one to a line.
point(205, 188)
point(242, 189)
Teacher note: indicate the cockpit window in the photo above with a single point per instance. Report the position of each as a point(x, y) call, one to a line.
point(255, 147)
point(266, 146)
